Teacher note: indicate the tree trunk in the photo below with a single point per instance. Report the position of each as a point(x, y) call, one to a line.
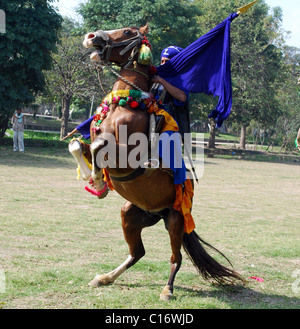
point(65, 116)
point(243, 137)
point(211, 142)
point(3, 126)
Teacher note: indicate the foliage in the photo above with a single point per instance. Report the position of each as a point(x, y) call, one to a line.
point(256, 62)
point(31, 34)
point(288, 123)
point(73, 75)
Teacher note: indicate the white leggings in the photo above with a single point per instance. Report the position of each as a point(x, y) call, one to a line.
point(18, 141)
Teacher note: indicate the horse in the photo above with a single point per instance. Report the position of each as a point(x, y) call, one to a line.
point(149, 192)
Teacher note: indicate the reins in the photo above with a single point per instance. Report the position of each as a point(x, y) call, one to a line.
point(120, 76)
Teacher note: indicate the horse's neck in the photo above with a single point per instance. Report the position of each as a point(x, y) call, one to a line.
point(137, 75)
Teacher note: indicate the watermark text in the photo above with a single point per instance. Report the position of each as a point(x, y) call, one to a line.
point(137, 150)
point(2, 281)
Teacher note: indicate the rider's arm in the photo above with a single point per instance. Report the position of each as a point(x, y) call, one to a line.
point(173, 91)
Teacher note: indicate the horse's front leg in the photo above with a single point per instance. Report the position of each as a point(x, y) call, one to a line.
point(134, 220)
point(174, 224)
point(110, 277)
point(82, 155)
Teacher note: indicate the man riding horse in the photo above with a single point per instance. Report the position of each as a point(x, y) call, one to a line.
point(150, 192)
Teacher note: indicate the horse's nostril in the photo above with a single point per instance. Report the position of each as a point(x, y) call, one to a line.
point(91, 36)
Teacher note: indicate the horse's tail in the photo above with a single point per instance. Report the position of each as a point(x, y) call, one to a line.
point(207, 266)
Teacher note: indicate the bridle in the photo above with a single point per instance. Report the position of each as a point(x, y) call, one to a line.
point(131, 44)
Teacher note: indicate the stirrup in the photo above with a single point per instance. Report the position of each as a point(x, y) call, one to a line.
point(159, 122)
point(152, 163)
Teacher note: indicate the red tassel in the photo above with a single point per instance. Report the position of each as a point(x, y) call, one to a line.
point(94, 192)
point(152, 70)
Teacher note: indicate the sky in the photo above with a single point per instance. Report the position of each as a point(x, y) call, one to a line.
point(290, 8)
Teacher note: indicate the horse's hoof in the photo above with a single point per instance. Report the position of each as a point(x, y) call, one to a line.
point(100, 280)
point(165, 297)
point(166, 294)
point(95, 283)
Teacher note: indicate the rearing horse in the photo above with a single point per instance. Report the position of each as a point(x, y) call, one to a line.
point(149, 192)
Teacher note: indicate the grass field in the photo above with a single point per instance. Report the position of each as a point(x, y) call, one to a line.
point(54, 238)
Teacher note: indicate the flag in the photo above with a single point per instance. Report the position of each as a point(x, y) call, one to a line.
point(84, 127)
point(204, 67)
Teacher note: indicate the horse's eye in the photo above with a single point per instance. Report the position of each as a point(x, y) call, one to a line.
point(126, 32)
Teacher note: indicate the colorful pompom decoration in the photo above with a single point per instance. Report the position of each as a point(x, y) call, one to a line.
point(152, 70)
point(134, 98)
point(135, 93)
point(134, 104)
point(145, 55)
point(122, 102)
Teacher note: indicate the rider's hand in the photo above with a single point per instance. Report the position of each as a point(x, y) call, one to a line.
point(156, 79)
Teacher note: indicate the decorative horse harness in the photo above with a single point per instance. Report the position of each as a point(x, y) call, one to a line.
point(131, 43)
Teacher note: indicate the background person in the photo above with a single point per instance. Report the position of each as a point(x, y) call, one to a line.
point(18, 122)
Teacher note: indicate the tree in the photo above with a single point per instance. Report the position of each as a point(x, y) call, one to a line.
point(31, 34)
point(256, 69)
point(255, 62)
point(72, 75)
point(288, 95)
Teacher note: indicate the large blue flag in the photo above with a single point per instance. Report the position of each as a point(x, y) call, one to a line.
point(204, 67)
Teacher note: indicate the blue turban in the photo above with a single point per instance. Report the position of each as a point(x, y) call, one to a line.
point(170, 51)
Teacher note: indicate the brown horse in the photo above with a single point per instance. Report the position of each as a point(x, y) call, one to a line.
point(149, 192)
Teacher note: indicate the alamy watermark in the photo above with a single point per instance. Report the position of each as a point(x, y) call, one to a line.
point(2, 21)
point(133, 151)
point(296, 283)
point(2, 281)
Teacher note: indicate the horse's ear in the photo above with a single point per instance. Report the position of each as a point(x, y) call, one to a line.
point(144, 29)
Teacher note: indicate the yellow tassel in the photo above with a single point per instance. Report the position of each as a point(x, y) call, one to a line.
point(145, 55)
point(120, 93)
point(78, 172)
point(87, 163)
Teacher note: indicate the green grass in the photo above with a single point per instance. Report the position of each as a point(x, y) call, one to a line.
point(54, 237)
point(39, 135)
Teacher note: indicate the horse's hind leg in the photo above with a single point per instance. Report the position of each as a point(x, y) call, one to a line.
point(174, 225)
point(134, 220)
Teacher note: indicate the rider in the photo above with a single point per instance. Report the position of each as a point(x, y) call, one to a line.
point(172, 99)
point(175, 102)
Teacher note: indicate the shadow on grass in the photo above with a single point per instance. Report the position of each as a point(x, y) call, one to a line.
point(236, 296)
point(45, 157)
point(250, 155)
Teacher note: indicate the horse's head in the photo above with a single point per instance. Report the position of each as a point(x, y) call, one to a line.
point(118, 46)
